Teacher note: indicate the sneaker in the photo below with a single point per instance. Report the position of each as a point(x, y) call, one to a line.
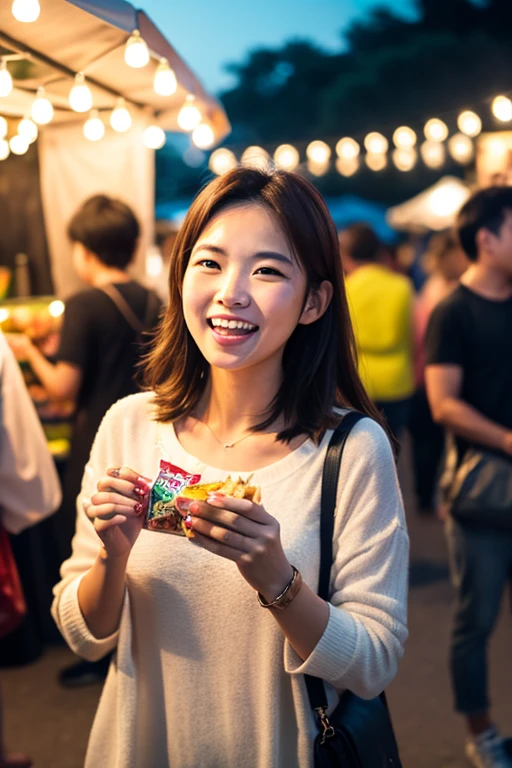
point(487, 750)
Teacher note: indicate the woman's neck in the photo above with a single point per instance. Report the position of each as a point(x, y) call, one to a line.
point(235, 401)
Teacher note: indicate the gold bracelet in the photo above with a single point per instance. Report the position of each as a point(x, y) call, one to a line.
point(283, 600)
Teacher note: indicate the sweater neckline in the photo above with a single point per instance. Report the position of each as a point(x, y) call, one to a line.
point(171, 448)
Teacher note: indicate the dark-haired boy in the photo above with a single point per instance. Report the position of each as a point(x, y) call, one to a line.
point(469, 385)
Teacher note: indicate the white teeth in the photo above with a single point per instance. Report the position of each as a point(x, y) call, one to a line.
point(218, 322)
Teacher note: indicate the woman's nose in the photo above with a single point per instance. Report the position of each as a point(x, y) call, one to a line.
point(233, 292)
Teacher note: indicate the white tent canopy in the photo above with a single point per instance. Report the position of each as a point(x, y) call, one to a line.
point(434, 209)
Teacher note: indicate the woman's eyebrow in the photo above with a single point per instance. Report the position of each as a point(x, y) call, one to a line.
point(273, 255)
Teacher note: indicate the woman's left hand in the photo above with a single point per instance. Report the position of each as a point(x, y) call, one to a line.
point(242, 531)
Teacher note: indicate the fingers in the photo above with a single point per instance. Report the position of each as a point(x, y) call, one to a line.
point(108, 510)
point(224, 537)
point(222, 517)
point(216, 547)
point(124, 487)
point(125, 473)
point(243, 507)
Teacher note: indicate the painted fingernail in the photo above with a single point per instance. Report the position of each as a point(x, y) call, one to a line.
point(138, 508)
point(214, 497)
point(183, 504)
point(140, 491)
point(194, 507)
point(143, 482)
point(188, 522)
point(114, 472)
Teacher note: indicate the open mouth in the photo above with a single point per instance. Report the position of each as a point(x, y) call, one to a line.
point(231, 327)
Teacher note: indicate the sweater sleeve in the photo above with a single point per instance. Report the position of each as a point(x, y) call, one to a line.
point(366, 630)
point(85, 547)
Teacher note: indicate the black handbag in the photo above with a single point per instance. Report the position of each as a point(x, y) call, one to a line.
point(359, 733)
point(481, 490)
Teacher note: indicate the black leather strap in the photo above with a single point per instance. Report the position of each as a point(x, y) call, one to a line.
point(331, 472)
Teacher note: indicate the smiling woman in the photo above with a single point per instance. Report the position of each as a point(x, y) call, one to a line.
point(252, 368)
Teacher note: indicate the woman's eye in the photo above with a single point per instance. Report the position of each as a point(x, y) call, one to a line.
point(208, 263)
point(269, 271)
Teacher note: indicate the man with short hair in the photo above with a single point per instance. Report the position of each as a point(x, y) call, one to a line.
point(469, 386)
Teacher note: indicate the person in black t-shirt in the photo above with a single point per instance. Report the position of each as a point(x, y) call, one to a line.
point(100, 339)
point(469, 386)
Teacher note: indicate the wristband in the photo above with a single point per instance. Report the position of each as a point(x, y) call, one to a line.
point(283, 600)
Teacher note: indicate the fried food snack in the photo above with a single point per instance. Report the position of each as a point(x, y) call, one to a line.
point(237, 489)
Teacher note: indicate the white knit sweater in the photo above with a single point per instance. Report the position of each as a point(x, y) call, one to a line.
point(203, 676)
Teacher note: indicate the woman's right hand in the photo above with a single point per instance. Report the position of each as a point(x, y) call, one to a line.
point(117, 509)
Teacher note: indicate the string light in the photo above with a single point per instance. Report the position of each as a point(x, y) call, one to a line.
point(376, 144)
point(433, 154)
point(4, 149)
point(189, 115)
point(347, 166)
point(80, 96)
point(318, 169)
point(404, 137)
point(286, 157)
point(120, 118)
point(469, 123)
point(405, 158)
point(319, 153)
point(94, 129)
point(136, 52)
point(435, 130)
point(154, 137)
point(203, 136)
point(3, 127)
point(257, 158)
point(461, 148)
point(165, 83)
point(5, 79)
point(376, 161)
point(42, 108)
point(26, 10)
point(347, 149)
point(18, 145)
point(221, 161)
point(502, 108)
point(28, 129)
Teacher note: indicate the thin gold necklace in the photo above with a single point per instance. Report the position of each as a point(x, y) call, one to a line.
point(224, 445)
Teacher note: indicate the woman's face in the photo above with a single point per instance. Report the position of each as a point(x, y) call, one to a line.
point(243, 290)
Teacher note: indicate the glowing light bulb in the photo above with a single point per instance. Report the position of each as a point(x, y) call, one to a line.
point(317, 169)
point(42, 108)
point(203, 136)
point(5, 80)
point(376, 144)
point(189, 115)
point(56, 308)
point(461, 148)
point(433, 154)
point(28, 129)
point(3, 127)
point(502, 108)
point(318, 152)
point(4, 314)
point(256, 157)
point(4, 149)
point(347, 149)
point(80, 96)
point(18, 145)
point(376, 161)
point(94, 129)
point(405, 158)
point(136, 52)
point(469, 123)
point(347, 166)
point(26, 10)
point(435, 130)
point(154, 137)
point(221, 161)
point(286, 157)
point(120, 118)
point(404, 137)
point(165, 83)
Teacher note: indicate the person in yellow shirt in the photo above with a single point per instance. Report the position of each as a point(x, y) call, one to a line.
point(380, 303)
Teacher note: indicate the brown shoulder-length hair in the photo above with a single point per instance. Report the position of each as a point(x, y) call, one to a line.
point(319, 361)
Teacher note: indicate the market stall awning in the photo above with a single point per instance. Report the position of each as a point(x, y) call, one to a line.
point(434, 209)
point(89, 36)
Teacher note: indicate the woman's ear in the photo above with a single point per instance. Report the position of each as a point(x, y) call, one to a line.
point(316, 303)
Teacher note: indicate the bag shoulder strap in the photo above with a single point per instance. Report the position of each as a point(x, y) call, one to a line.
point(330, 476)
point(126, 311)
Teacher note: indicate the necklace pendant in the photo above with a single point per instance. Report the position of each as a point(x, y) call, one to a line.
point(228, 445)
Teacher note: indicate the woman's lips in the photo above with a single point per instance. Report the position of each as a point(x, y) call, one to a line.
point(227, 337)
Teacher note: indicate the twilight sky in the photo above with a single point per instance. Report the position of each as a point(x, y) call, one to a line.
point(209, 33)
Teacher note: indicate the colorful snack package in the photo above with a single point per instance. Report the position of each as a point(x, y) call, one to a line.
point(162, 514)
